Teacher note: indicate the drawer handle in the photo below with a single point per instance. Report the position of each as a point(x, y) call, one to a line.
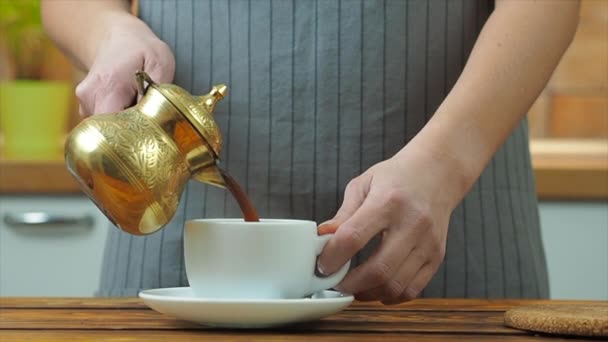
point(37, 219)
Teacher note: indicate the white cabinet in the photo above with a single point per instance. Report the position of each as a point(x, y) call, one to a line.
point(63, 257)
point(575, 235)
point(50, 246)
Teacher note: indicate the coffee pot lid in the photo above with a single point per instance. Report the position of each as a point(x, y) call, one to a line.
point(198, 110)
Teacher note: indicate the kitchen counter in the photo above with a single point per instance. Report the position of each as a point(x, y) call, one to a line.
point(570, 169)
point(564, 169)
point(36, 177)
point(23, 319)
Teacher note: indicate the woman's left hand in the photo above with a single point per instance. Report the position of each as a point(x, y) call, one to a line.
point(408, 200)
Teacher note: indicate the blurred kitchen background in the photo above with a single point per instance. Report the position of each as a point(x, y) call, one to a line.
point(52, 237)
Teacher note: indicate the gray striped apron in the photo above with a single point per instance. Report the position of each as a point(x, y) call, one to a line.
point(319, 92)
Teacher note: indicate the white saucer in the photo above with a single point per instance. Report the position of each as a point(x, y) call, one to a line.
point(243, 313)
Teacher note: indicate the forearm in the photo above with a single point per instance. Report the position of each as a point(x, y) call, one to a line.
point(78, 26)
point(513, 58)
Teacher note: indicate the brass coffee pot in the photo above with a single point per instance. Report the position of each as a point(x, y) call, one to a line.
point(134, 164)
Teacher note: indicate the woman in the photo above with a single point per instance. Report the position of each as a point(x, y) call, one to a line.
point(325, 93)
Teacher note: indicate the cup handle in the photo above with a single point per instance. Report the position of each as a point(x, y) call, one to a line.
point(323, 283)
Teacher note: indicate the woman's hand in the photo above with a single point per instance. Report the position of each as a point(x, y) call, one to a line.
point(128, 45)
point(408, 200)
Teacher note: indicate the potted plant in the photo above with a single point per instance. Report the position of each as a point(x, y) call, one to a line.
point(33, 111)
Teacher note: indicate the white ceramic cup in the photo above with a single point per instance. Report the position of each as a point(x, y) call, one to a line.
point(270, 259)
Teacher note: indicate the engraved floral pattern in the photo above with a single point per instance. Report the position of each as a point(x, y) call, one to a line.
point(155, 162)
point(211, 131)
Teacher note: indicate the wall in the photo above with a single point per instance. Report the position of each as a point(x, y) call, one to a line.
point(575, 235)
point(574, 103)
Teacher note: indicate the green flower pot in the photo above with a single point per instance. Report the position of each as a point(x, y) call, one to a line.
point(33, 118)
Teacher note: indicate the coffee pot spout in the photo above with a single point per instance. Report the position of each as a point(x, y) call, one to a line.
point(210, 175)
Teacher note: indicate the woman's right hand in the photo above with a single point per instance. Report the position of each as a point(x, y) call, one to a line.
point(128, 45)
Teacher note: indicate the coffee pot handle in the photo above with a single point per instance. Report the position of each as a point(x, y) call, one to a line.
point(140, 78)
point(323, 283)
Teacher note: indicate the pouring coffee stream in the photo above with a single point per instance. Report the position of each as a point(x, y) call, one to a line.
point(134, 164)
point(247, 208)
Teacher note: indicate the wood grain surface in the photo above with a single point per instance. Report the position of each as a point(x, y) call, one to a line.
point(570, 169)
point(36, 177)
point(88, 319)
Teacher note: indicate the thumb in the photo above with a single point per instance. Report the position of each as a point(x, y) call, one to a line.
point(354, 195)
point(352, 235)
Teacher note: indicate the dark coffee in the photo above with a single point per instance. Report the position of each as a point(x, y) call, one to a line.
point(249, 212)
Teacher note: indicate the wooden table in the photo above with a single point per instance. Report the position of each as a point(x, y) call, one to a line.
point(45, 319)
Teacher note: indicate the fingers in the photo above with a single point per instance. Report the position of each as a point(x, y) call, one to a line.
point(388, 269)
point(161, 65)
point(114, 101)
point(422, 278)
point(353, 235)
point(97, 95)
point(413, 222)
point(328, 227)
point(110, 85)
point(397, 271)
point(387, 287)
point(84, 93)
point(354, 195)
